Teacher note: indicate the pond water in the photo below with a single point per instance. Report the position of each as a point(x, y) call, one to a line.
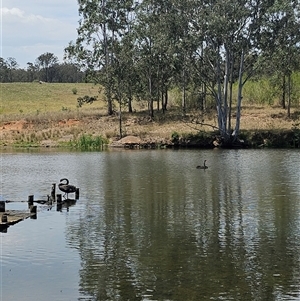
point(150, 226)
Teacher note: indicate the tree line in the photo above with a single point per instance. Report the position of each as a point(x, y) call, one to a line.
point(205, 48)
point(46, 68)
point(142, 49)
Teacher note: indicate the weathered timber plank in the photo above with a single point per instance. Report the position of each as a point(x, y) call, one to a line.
point(13, 217)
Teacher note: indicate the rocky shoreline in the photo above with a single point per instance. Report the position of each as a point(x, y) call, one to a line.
point(249, 139)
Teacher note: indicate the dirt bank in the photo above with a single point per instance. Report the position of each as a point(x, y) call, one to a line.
point(258, 124)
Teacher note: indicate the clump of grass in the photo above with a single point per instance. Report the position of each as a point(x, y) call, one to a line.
point(46, 134)
point(32, 137)
point(56, 134)
point(89, 142)
point(175, 137)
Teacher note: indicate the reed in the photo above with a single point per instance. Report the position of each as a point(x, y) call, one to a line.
point(89, 142)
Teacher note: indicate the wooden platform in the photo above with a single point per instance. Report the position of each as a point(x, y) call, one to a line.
point(13, 217)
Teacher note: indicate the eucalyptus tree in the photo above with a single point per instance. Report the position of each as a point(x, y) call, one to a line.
point(173, 47)
point(124, 77)
point(32, 71)
point(46, 61)
point(101, 26)
point(228, 34)
point(123, 71)
point(12, 65)
point(283, 28)
point(157, 51)
point(3, 71)
point(145, 34)
point(183, 37)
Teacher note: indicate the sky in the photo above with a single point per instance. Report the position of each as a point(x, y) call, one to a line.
point(30, 28)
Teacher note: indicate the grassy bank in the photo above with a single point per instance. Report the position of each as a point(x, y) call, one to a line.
point(19, 99)
point(46, 114)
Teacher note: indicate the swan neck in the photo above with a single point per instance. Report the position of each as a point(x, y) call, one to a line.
point(65, 179)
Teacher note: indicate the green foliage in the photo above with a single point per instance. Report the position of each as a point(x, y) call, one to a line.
point(89, 142)
point(143, 49)
point(86, 99)
point(65, 109)
point(267, 90)
point(201, 139)
point(259, 92)
point(296, 88)
point(272, 138)
point(45, 62)
point(296, 131)
point(74, 91)
point(175, 138)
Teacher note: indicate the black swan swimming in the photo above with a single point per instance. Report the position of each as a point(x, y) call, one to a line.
point(202, 166)
point(66, 187)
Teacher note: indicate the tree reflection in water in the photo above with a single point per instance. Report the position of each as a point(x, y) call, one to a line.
point(154, 229)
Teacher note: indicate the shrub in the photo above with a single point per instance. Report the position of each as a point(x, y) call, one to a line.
point(175, 138)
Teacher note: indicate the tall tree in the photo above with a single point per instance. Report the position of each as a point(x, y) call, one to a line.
point(228, 32)
point(101, 25)
point(12, 65)
point(145, 50)
point(46, 61)
point(210, 43)
point(282, 27)
point(4, 77)
point(156, 31)
point(31, 72)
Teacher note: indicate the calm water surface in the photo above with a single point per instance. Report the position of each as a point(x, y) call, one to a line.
point(150, 226)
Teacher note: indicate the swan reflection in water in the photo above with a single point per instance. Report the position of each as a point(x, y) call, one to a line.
point(65, 187)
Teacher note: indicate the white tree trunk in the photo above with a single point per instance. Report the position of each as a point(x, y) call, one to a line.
point(239, 97)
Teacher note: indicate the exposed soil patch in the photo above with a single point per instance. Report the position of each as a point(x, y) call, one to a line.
point(18, 125)
point(68, 123)
point(136, 127)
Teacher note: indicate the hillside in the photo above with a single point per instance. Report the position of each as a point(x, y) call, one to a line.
point(47, 115)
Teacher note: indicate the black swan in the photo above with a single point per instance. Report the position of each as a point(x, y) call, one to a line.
point(202, 166)
point(65, 187)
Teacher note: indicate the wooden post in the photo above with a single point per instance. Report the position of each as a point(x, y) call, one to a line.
point(77, 194)
point(33, 209)
point(2, 206)
point(53, 192)
point(4, 218)
point(49, 200)
point(58, 198)
point(30, 200)
point(59, 206)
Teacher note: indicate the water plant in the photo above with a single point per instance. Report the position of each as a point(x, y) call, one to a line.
point(89, 142)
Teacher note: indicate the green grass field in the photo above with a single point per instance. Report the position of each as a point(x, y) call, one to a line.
point(35, 98)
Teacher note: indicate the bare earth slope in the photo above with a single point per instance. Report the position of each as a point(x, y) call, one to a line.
point(45, 131)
